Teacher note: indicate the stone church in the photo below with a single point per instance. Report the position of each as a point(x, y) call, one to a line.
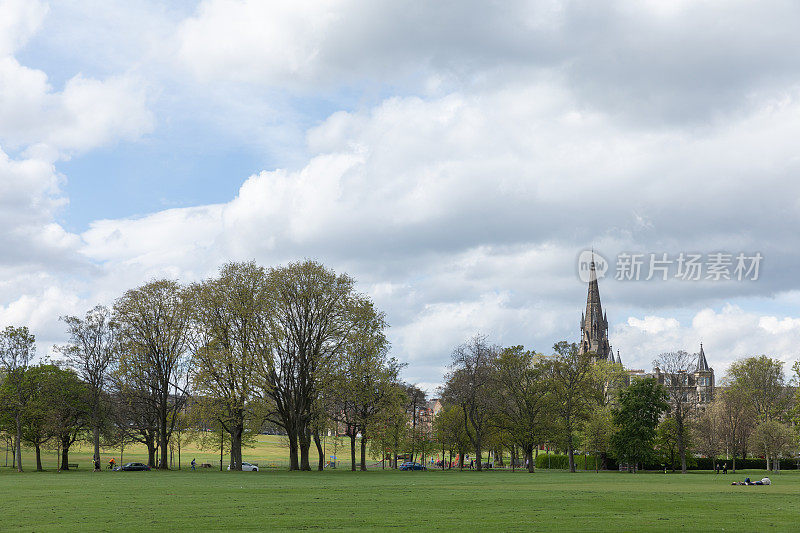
point(699, 383)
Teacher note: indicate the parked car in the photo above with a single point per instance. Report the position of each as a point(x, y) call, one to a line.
point(128, 467)
point(412, 466)
point(247, 467)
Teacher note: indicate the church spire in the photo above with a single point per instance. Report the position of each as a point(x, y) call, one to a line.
point(702, 364)
point(594, 323)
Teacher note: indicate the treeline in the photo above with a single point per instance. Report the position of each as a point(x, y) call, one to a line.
point(508, 399)
point(294, 347)
point(297, 349)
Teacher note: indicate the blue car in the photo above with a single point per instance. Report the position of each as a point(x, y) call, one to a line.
point(412, 466)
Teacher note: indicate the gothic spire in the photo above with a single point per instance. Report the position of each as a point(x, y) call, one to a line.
point(594, 322)
point(702, 364)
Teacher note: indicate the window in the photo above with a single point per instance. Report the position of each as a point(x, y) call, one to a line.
point(704, 381)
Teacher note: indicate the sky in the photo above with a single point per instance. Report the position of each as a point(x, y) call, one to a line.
point(455, 157)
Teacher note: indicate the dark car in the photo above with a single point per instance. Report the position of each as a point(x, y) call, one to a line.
point(412, 466)
point(132, 466)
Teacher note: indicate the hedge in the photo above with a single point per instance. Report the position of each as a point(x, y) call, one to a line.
point(561, 462)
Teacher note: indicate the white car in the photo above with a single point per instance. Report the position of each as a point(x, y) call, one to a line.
point(247, 467)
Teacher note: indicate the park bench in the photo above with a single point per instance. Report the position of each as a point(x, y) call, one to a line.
point(72, 465)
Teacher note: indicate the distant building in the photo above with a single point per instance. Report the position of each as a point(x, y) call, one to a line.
point(699, 383)
point(594, 324)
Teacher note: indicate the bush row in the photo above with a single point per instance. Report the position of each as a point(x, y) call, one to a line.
point(561, 462)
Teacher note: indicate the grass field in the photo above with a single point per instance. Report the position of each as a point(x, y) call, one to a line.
point(212, 500)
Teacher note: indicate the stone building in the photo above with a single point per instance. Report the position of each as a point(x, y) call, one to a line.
point(594, 324)
point(699, 382)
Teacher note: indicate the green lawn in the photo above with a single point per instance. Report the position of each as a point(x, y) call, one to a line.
point(345, 500)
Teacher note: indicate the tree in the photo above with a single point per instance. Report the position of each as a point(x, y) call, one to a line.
point(365, 376)
point(737, 418)
point(17, 348)
point(154, 331)
point(70, 411)
point(666, 442)
point(708, 431)
point(572, 383)
point(676, 367)
point(92, 350)
point(311, 314)
point(636, 416)
point(415, 401)
point(522, 400)
point(227, 319)
point(468, 385)
point(36, 427)
point(597, 432)
point(761, 379)
point(773, 439)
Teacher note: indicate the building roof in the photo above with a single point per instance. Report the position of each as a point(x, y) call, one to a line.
point(702, 364)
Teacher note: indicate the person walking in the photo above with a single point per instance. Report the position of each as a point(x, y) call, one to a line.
point(193, 464)
point(724, 468)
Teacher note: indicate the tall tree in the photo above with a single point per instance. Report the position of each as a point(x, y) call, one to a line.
point(469, 385)
point(737, 418)
point(636, 416)
point(227, 319)
point(677, 367)
point(311, 314)
point(708, 431)
point(572, 382)
point(773, 439)
point(17, 348)
point(761, 379)
point(154, 331)
point(36, 429)
point(597, 432)
point(70, 412)
point(521, 398)
point(92, 350)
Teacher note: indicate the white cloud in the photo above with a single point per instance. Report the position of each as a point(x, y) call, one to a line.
point(727, 335)
point(479, 148)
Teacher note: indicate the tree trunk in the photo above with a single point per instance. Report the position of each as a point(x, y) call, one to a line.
point(353, 451)
point(529, 459)
point(151, 453)
point(162, 436)
point(320, 452)
point(363, 452)
point(571, 452)
point(96, 438)
point(305, 448)
point(236, 432)
point(294, 464)
point(18, 444)
point(478, 460)
point(682, 448)
point(65, 453)
point(38, 458)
